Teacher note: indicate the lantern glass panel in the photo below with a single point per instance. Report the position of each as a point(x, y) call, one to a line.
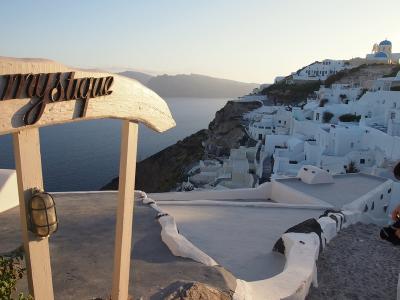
point(39, 217)
point(42, 201)
point(51, 215)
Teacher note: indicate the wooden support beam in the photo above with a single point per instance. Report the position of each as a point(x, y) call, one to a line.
point(126, 194)
point(29, 175)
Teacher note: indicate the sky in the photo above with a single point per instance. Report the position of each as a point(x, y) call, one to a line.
point(244, 40)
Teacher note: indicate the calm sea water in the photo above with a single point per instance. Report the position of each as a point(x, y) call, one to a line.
point(84, 156)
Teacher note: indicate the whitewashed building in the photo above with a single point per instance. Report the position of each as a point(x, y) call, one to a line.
point(237, 171)
point(336, 94)
point(380, 110)
point(382, 53)
point(371, 144)
point(385, 83)
point(273, 120)
point(321, 70)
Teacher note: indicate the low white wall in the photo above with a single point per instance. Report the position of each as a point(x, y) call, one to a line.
point(301, 251)
point(263, 191)
point(8, 189)
point(177, 243)
point(395, 198)
point(274, 190)
point(300, 271)
point(284, 194)
point(374, 205)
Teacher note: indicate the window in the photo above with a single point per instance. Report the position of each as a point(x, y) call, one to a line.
point(352, 145)
point(362, 161)
point(317, 117)
point(393, 115)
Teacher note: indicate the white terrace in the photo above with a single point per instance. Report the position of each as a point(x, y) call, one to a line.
point(236, 229)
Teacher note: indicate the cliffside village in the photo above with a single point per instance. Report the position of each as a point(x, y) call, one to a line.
point(268, 211)
point(343, 127)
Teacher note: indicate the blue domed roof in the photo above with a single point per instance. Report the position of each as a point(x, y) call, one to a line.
point(385, 42)
point(381, 55)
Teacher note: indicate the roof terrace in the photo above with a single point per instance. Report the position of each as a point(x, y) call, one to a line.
point(344, 189)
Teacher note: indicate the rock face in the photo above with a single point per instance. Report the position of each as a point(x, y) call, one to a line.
point(162, 171)
point(226, 131)
point(198, 291)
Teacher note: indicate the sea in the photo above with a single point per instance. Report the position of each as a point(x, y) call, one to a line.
point(84, 156)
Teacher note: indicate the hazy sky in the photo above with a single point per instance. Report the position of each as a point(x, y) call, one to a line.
point(245, 40)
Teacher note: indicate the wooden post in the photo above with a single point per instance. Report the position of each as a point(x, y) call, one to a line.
point(126, 194)
point(29, 175)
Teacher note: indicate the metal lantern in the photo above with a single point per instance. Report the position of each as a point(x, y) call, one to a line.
point(42, 214)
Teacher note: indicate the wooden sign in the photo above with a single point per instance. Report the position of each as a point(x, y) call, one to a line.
point(36, 93)
point(53, 87)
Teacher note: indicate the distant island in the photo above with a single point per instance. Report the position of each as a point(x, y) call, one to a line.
point(192, 85)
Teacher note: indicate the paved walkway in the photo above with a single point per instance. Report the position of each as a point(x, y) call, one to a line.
point(357, 264)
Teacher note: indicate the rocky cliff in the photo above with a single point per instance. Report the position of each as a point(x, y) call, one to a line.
point(226, 130)
point(162, 171)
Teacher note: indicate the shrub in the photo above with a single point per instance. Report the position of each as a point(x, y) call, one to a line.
point(349, 118)
point(351, 168)
point(327, 116)
point(285, 93)
point(393, 72)
point(11, 270)
point(322, 102)
point(395, 88)
point(343, 98)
